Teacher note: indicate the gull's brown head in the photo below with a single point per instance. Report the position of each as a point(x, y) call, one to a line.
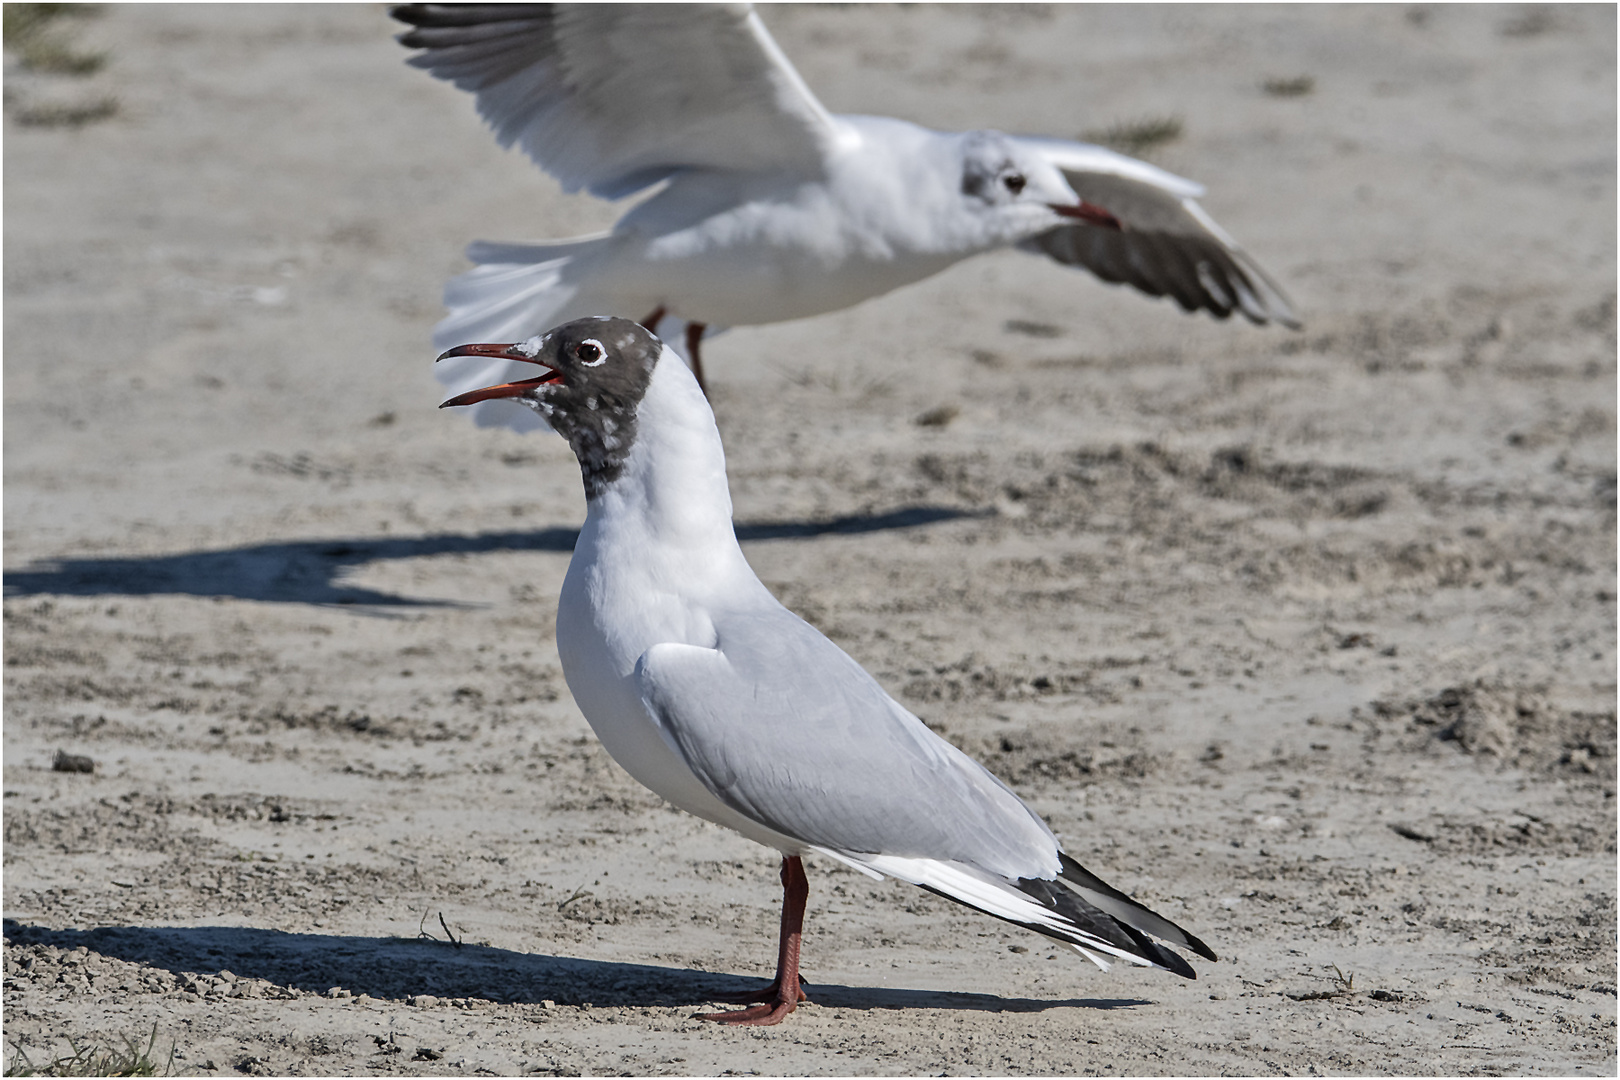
point(598, 355)
point(593, 375)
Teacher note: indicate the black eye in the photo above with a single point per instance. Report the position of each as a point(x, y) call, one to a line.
point(588, 352)
point(1013, 182)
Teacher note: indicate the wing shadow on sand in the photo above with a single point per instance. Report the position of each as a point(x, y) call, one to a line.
point(312, 571)
point(394, 968)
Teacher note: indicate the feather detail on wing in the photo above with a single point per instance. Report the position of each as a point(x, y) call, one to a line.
point(1168, 246)
point(784, 728)
point(612, 98)
point(1104, 897)
point(1047, 907)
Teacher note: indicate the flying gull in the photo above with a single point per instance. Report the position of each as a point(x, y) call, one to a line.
point(761, 206)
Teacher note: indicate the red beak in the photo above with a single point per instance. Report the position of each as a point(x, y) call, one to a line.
point(1091, 214)
point(504, 390)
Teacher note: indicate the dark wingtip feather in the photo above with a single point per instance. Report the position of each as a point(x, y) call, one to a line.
point(1103, 925)
point(426, 15)
point(1127, 910)
point(1201, 949)
point(413, 14)
point(1172, 962)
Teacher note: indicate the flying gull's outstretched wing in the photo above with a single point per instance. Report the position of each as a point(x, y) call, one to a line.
point(612, 98)
point(1167, 246)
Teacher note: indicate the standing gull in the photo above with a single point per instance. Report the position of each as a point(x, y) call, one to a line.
point(765, 206)
point(718, 698)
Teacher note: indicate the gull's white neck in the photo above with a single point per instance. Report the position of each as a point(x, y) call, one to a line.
point(657, 554)
point(657, 561)
point(673, 484)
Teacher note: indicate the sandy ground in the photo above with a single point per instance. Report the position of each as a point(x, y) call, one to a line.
point(1305, 639)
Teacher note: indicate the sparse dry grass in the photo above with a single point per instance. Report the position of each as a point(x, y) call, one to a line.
point(90, 1059)
point(1137, 136)
point(1292, 86)
point(38, 36)
point(66, 114)
point(33, 33)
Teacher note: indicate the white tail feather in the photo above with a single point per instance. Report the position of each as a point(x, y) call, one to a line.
point(516, 291)
point(1093, 957)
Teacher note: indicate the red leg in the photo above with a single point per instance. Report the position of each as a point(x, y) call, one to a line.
point(777, 1003)
point(694, 334)
point(651, 322)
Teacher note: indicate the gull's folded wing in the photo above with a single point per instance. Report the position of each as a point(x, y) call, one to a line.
point(1168, 245)
point(783, 727)
point(615, 97)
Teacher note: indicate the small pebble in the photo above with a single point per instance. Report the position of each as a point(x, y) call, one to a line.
point(66, 762)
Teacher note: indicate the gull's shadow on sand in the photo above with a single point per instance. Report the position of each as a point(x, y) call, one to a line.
point(396, 968)
point(312, 571)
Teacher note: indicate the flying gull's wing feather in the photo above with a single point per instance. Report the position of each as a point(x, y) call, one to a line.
point(615, 97)
point(1168, 247)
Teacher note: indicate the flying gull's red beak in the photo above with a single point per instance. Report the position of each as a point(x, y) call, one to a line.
point(1091, 214)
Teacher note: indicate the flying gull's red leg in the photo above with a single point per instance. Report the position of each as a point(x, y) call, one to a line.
point(775, 1004)
point(694, 334)
point(651, 322)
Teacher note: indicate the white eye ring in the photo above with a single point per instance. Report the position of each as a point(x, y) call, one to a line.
point(601, 353)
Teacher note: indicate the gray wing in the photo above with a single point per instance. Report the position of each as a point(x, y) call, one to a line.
point(615, 97)
point(782, 726)
point(1168, 245)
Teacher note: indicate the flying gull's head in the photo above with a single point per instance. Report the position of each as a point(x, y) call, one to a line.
point(1017, 192)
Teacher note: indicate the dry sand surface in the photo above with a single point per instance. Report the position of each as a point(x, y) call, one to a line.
point(1306, 639)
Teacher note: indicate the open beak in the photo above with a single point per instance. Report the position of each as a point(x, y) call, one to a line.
point(1091, 214)
point(504, 390)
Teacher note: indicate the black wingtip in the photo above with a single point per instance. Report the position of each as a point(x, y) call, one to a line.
point(1175, 964)
point(1129, 911)
point(440, 15)
point(413, 15)
point(1201, 949)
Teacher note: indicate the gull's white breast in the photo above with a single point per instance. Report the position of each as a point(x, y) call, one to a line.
point(654, 557)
